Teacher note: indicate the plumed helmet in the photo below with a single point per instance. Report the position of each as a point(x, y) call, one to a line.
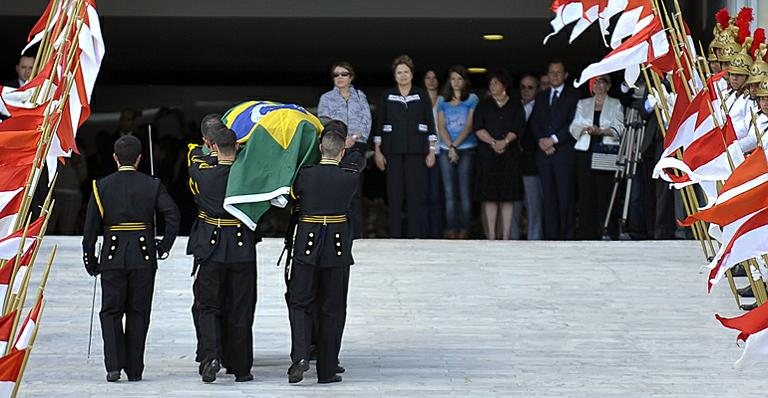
point(759, 69)
point(742, 61)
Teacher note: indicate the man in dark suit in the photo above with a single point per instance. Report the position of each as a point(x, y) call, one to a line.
point(23, 72)
point(549, 123)
point(123, 207)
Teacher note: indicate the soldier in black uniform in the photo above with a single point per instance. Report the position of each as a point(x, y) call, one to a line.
point(322, 256)
point(201, 156)
point(123, 205)
point(225, 258)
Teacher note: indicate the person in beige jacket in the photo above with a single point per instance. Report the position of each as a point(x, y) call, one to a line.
point(597, 127)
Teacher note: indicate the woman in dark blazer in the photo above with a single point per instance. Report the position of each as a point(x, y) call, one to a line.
point(404, 146)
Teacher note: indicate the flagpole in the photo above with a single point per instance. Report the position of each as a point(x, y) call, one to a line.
point(32, 339)
point(48, 46)
point(22, 295)
point(688, 196)
point(44, 39)
point(758, 288)
point(43, 147)
point(40, 290)
point(696, 226)
point(15, 264)
point(705, 63)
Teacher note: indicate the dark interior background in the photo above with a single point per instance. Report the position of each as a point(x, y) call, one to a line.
point(196, 57)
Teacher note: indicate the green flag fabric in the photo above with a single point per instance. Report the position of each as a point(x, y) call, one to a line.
point(276, 141)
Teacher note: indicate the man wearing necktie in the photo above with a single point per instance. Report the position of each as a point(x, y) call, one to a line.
point(552, 115)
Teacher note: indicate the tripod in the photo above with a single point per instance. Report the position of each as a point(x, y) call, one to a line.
point(626, 163)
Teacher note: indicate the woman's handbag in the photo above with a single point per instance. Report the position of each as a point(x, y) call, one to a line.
point(605, 156)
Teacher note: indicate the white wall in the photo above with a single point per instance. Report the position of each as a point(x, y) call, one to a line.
point(759, 6)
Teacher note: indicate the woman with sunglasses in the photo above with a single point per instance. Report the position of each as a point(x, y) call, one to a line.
point(349, 105)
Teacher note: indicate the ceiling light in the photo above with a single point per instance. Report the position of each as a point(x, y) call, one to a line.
point(477, 70)
point(493, 37)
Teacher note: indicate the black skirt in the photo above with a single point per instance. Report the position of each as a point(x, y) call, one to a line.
point(498, 176)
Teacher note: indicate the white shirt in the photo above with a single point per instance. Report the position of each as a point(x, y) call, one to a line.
point(528, 108)
point(559, 91)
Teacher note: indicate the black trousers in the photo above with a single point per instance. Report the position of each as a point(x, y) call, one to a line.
point(328, 287)
point(406, 175)
point(557, 184)
point(126, 293)
point(355, 159)
point(658, 201)
point(225, 295)
point(196, 316)
point(595, 188)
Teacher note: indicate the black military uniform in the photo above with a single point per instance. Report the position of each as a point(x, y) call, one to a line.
point(123, 205)
point(322, 256)
point(225, 259)
point(197, 155)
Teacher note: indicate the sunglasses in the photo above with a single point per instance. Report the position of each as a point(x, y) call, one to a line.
point(341, 74)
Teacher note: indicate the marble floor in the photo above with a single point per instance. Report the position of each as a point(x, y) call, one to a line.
point(437, 318)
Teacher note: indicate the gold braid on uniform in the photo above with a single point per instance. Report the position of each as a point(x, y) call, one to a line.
point(98, 199)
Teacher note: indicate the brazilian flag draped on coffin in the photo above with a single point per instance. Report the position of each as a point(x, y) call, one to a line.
point(276, 140)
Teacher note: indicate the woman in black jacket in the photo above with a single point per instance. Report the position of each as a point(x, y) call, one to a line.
point(404, 146)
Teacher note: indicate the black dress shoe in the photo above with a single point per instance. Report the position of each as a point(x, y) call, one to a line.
point(334, 379)
point(229, 371)
point(296, 371)
point(134, 378)
point(746, 291)
point(243, 378)
point(113, 375)
point(749, 307)
point(738, 271)
point(340, 369)
point(210, 369)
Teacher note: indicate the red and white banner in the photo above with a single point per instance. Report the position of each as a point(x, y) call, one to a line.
point(637, 15)
point(9, 245)
point(29, 326)
point(744, 193)
point(706, 158)
point(647, 45)
point(6, 326)
point(752, 327)
point(10, 369)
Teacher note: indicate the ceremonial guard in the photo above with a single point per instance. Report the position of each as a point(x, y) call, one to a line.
point(225, 268)
point(318, 280)
point(201, 156)
point(123, 206)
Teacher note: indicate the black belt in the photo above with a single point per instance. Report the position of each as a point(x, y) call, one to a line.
point(312, 219)
point(129, 226)
point(219, 222)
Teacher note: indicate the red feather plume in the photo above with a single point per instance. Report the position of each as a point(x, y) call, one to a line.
point(722, 17)
point(759, 39)
point(743, 19)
